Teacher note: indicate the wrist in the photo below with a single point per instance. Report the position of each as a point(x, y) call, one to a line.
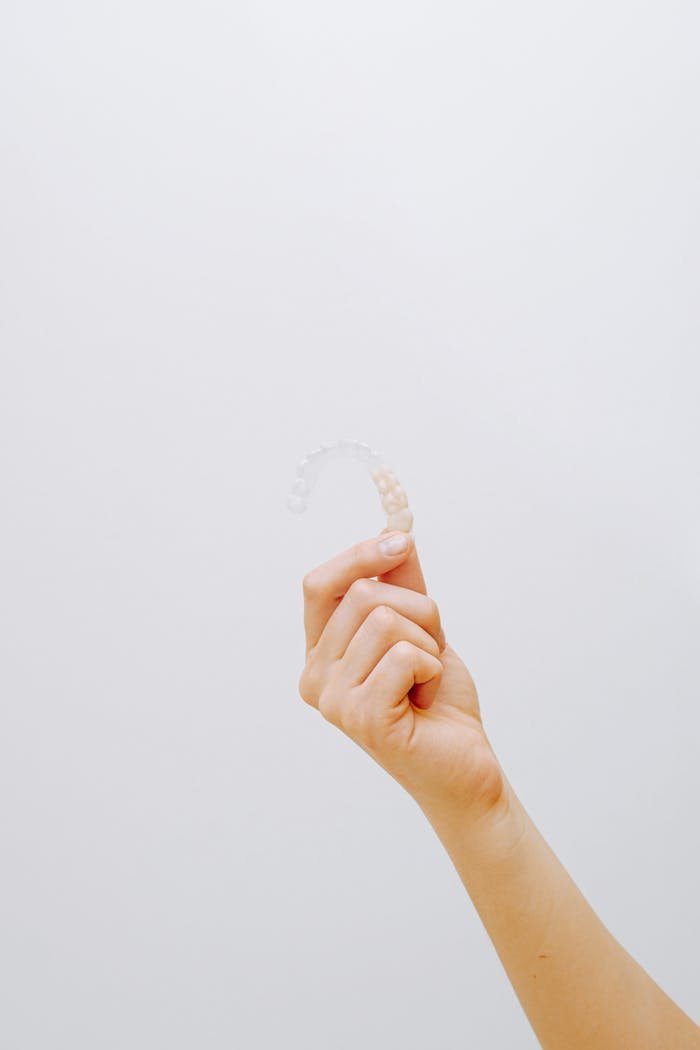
point(488, 834)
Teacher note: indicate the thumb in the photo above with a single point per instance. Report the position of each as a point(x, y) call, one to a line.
point(408, 574)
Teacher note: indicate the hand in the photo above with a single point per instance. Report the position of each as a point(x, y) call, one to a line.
point(377, 667)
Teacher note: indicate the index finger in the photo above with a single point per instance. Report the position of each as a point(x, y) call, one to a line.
point(325, 586)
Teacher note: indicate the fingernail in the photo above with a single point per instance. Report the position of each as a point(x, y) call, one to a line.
point(396, 544)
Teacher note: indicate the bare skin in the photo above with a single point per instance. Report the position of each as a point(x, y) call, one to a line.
point(378, 667)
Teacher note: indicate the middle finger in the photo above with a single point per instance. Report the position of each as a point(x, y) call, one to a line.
point(358, 602)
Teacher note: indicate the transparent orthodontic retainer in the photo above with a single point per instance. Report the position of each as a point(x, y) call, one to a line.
point(392, 496)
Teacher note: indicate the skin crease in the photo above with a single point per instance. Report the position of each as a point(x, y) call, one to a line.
point(378, 667)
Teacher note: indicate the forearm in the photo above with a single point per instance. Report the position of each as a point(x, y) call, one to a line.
point(377, 666)
point(578, 986)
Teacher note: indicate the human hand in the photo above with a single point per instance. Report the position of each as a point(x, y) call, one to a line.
point(377, 667)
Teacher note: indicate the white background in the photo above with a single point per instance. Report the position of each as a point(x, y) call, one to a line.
point(465, 233)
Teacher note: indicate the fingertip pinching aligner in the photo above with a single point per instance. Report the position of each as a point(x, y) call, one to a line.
point(391, 494)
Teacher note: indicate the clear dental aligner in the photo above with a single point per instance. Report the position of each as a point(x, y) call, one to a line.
point(391, 494)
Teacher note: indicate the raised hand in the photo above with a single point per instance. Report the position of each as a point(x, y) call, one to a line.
point(377, 666)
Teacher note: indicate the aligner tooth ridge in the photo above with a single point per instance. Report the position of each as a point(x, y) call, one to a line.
point(393, 497)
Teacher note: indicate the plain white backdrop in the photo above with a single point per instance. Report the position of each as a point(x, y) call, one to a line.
point(465, 233)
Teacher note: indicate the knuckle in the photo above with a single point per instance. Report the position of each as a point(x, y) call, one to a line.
point(434, 648)
point(360, 592)
point(403, 650)
point(311, 584)
point(382, 619)
point(328, 707)
point(307, 686)
point(433, 620)
point(312, 678)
